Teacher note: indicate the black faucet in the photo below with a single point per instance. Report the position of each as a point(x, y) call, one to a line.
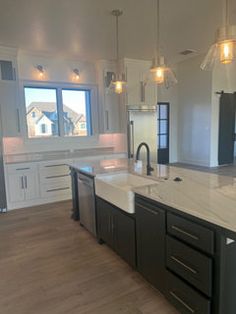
point(149, 168)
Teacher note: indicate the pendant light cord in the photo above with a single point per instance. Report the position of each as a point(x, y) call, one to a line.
point(226, 12)
point(158, 30)
point(117, 38)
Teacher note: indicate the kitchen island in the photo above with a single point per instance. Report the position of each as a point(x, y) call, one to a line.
point(185, 232)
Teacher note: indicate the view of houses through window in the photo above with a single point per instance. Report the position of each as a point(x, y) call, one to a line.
point(44, 111)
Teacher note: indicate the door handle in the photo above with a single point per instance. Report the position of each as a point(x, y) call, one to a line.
point(22, 182)
point(107, 120)
point(26, 182)
point(131, 141)
point(18, 120)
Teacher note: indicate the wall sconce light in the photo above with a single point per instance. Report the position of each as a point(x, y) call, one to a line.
point(40, 70)
point(76, 74)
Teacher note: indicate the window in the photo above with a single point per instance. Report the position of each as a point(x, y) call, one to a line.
point(41, 110)
point(43, 128)
point(76, 112)
point(52, 112)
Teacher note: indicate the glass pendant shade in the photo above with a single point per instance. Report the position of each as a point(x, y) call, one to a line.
point(118, 84)
point(223, 51)
point(161, 74)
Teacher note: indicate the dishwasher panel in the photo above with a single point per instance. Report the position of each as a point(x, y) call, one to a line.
point(87, 202)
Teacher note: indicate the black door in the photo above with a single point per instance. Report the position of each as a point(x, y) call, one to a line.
point(163, 113)
point(226, 128)
point(150, 223)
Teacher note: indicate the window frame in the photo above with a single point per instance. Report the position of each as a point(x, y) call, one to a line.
point(59, 86)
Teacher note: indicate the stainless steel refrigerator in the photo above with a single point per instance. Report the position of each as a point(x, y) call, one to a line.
point(142, 127)
point(3, 202)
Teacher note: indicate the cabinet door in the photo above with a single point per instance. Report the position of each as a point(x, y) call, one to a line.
point(125, 237)
point(9, 109)
point(31, 185)
point(105, 222)
point(151, 243)
point(134, 77)
point(16, 191)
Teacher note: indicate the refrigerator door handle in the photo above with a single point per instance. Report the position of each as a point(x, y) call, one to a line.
point(130, 139)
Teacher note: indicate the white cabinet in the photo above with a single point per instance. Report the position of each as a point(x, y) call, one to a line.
point(22, 184)
point(55, 180)
point(16, 190)
point(109, 103)
point(140, 90)
point(9, 108)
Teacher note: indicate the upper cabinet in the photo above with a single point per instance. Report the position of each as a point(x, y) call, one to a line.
point(140, 91)
point(9, 108)
point(109, 103)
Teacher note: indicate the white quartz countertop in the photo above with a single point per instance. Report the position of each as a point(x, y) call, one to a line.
point(204, 195)
point(208, 196)
point(57, 155)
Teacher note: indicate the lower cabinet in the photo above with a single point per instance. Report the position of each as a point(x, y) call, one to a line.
point(117, 229)
point(184, 298)
point(22, 184)
point(150, 222)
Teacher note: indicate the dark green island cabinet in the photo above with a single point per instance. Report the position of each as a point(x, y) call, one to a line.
point(192, 262)
point(117, 229)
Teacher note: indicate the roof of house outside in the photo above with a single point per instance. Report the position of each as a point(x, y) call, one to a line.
point(49, 107)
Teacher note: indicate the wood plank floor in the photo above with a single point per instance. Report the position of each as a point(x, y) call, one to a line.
point(51, 265)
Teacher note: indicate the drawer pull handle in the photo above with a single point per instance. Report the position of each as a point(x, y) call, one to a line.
point(59, 189)
point(184, 232)
point(59, 176)
point(183, 264)
point(20, 169)
point(182, 302)
point(148, 209)
point(58, 165)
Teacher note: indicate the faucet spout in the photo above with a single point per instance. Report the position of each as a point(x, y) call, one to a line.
point(149, 167)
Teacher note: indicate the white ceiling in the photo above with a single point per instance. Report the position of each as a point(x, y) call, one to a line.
point(85, 28)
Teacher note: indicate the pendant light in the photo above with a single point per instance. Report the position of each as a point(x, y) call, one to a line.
point(160, 73)
point(224, 49)
point(118, 82)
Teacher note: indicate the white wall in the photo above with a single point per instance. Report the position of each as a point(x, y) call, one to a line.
point(57, 68)
point(194, 119)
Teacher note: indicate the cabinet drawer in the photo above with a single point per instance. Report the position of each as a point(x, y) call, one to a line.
point(55, 180)
point(21, 168)
point(191, 232)
point(184, 298)
point(54, 169)
point(191, 265)
point(60, 192)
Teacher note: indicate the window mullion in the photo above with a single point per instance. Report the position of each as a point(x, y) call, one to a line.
point(60, 112)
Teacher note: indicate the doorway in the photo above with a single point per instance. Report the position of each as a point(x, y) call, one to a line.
point(163, 123)
point(227, 128)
